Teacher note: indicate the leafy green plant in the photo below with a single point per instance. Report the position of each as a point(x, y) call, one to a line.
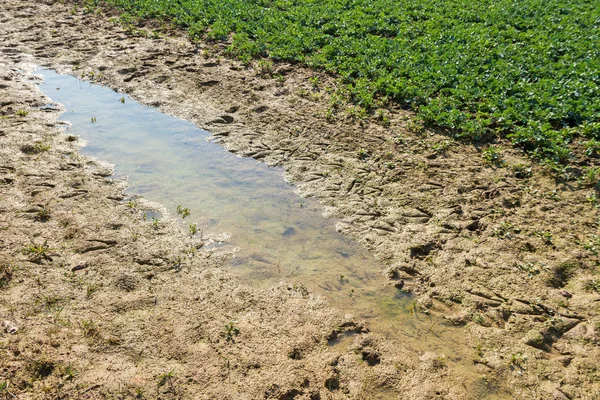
point(22, 113)
point(510, 69)
point(93, 119)
point(122, 100)
point(193, 229)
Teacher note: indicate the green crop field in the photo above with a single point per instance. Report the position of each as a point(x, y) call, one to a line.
point(524, 70)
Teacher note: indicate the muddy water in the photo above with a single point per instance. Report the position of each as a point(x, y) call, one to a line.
point(279, 235)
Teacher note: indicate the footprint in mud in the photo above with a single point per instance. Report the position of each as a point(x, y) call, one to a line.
point(289, 232)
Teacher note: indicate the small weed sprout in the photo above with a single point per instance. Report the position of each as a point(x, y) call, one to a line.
point(506, 230)
point(193, 229)
point(413, 308)
point(546, 237)
point(590, 178)
point(478, 319)
point(265, 68)
point(22, 113)
point(529, 267)
point(43, 215)
point(314, 81)
point(593, 246)
point(163, 379)
point(184, 212)
point(517, 361)
point(70, 373)
point(93, 119)
point(90, 329)
point(592, 285)
point(37, 252)
point(441, 147)
point(522, 171)
point(231, 331)
point(591, 198)
point(492, 156)
point(384, 120)
point(280, 79)
point(362, 154)
point(90, 290)
point(300, 288)
point(415, 126)
point(132, 204)
point(155, 222)
point(40, 147)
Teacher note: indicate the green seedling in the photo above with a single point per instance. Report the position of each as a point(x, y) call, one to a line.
point(89, 329)
point(155, 222)
point(506, 230)
point(93, 119)
point(122, 100)
point(546, 237)
point(492, 156)
point(231, 331)
point(184, 212)
point(43, 215)
point(265, 67)
point(592, 285)
point(22, 113)
point(38, 252)
point(193, 229)
point(91, 289)
point(362, 154)
point(163, 379)
point(384, 120)
point(70, 373)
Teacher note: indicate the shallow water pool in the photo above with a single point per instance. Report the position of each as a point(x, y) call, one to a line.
point(278, 234)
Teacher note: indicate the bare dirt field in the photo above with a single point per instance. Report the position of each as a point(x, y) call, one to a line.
point(108, 306)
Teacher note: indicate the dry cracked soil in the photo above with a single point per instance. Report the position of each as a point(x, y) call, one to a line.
point(98, 303)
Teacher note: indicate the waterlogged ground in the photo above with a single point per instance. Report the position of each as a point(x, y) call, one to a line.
point(481, 235)
point(277, 234)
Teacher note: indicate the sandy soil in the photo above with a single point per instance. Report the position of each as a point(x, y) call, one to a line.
point(510, 250)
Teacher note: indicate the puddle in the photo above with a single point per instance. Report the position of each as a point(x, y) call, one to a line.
point(280, 235)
